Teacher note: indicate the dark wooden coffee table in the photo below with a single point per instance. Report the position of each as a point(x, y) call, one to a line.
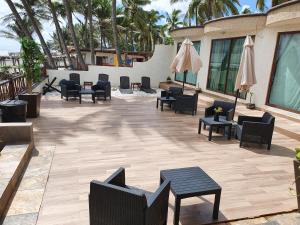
point(209, 121)
point(87, 92)
point(163, 100)
point(191, 182)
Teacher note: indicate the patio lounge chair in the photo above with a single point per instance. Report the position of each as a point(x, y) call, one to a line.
point(75, 77)
point(256, 129)
point(125, 85)
point(186, 103)
point(112, 202)
point(103, 77)
point(228, 110)
point(102, 89)
point(172, 92)
point(69, 89)
point(146, 86)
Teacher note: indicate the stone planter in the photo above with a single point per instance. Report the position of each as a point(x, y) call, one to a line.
point(297, 181)
point(251, 106)
point(34, 102)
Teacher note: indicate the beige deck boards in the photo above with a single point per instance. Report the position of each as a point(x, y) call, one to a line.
point(92, 141)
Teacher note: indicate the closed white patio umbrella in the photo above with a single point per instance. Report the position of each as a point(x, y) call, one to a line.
point(246, 74)
point(186, 59)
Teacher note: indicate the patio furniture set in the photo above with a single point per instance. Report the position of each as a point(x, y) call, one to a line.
point(127, 88)
point(72, 89)
point(112, 202)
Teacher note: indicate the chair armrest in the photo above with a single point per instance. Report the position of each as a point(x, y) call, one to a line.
point(63, 89)
point(230, 115)
point(241, 119)
point(117, 178)
point(209, 111)
point(164, 94)
point(257, 128)
point(158, 205)
point(78, 87)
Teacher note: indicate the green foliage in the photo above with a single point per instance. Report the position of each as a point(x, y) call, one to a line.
point(297, 153)
point(218, 110)
point(5, 72)
point(32, 58)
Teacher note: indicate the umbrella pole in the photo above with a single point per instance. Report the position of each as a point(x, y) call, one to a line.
point(236, 98)
point(184, 79)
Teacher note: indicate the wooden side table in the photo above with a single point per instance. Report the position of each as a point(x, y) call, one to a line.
point(87, 84)
point(136, 84)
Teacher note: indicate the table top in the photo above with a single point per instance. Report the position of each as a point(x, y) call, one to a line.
point(86, 92)
point(136, 83)
point(12, 103)
point(188, 182)
point(167, 98)
point(210, 120)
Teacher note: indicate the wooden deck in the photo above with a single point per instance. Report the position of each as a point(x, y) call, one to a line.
point(92, 141)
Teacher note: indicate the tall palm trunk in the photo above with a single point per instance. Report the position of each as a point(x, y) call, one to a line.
point(59, 33)
point(115, 31)
point(30, 14)
point(19, 20)
point(72, 31)
point(91, 32)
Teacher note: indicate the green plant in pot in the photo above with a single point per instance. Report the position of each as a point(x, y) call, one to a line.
point(217, 113)
point(297, 177)
point(169, 80)
point(251, 105)
point(32, 59)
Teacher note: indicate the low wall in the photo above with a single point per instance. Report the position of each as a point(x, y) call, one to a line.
point(157, 68)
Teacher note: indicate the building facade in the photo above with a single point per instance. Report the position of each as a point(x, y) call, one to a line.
point(219, 42)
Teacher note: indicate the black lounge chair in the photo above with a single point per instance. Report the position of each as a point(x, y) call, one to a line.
point(75, 77)
point(172, 92)
point(146, 86)
point(228, 110)
point(112, 202)
point(125, 85)
point(103, 77)
point(69, 89)
point(186, 103)
point(102, 89)
point(256, 129)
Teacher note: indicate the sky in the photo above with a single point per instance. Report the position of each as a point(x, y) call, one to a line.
point(162, 6)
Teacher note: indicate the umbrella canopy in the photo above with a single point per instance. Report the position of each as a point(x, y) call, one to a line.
point(246, 74)
point(187, 58)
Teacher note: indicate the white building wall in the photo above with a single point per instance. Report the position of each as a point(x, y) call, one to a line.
point(157, 68)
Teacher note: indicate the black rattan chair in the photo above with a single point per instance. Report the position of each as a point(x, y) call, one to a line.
point(112, 202)
point(103, 77)
point(228, 109)
point(146, 86)
point(69, 89)
point(102, 89)
point(172, 92)
point(75, 77)
point(186, 103)
point(256, 129)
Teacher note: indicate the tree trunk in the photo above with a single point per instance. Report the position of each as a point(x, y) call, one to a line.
point(38, 32)
point(18, 19)
point(91, 32)
point(115, 31)
point(59, 33)
point(72, 31)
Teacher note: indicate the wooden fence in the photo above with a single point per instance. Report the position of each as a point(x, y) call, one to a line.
point(11, 88)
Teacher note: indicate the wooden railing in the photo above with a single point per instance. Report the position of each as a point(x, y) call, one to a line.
point(11, 88)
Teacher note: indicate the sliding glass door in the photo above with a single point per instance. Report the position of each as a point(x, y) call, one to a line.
point(285, 82)
point(191, 78)
point(224, 64)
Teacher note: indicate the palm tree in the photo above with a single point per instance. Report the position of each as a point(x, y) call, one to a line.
point(90, 15)
point(173, 20)
point(73, 35)
point(59, 32)
point(115, 30)
point(38, 32)
point(262, 4)
point(19, 22)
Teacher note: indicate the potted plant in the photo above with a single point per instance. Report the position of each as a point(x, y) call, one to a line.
point(217, 111)
point(297, 176)
point(251, 105)
point(169, 80)
point(4, 73)
point(198, 90)
point(32, 58)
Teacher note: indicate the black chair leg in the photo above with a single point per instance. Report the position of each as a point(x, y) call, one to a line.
point(241, 144)
point(269, 146)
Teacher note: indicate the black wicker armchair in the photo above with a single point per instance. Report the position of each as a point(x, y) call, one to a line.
point(113, 203)
point(75, 77)
point(186, 103)
point(256, 129)
point(172, 92)
point(146, 86)
point(102, 89)
point(103, 77)
point(228, 110)
point(69, 89)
